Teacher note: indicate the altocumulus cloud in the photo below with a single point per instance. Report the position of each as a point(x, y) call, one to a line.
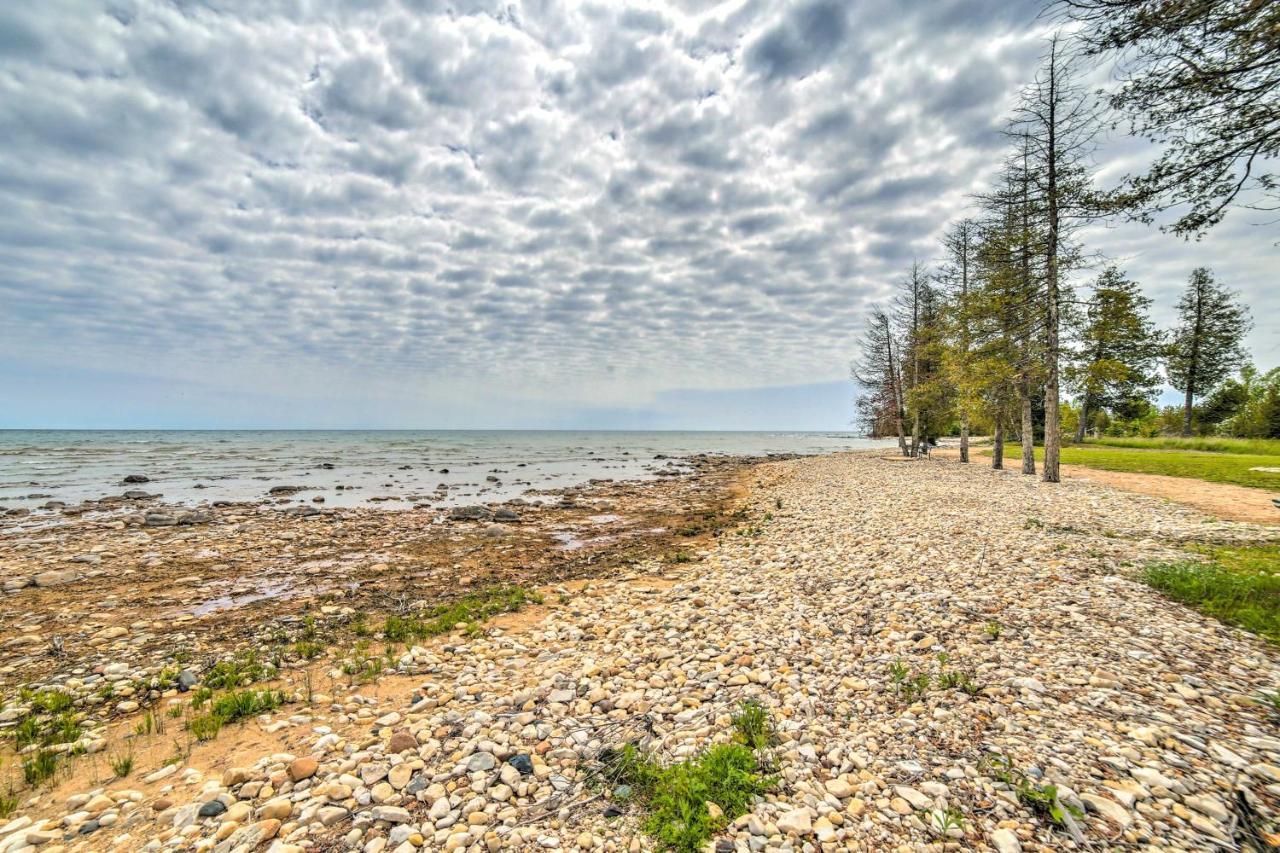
point(561, 204)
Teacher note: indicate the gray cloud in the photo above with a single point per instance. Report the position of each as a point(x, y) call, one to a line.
point(537, 197)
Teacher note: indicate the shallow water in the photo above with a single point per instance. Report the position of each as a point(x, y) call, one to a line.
point(192, 467)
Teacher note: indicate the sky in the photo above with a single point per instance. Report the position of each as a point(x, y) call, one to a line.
point(548, 213)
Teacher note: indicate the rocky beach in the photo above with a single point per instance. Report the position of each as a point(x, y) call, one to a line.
point(949, 657)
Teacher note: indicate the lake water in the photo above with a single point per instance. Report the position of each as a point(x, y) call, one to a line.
point(192, 467)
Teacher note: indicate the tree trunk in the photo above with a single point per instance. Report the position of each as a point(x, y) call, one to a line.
point(964, 437)
point(1084, 413)
point(1052, 438)
point(997, 442)
point(896, 381)
point(1028, 428)
point(1193, 366)
point(915, 435)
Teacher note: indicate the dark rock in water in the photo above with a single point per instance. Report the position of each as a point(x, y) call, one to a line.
point(88, 827)
point(52, 505)
point(285, 490)
point(186, 680)
point(137, 478)
point(328, 466)
point(504, 513)
point(159, 519)
point(17, 512)
point(444, 470)
point(492, 479)
point(213, 808)
point(137, 495)
point(318, 499)
point(523, 763)
point(469, 513)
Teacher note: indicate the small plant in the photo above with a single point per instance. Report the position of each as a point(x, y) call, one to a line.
point(1032, 523)
point(204, 727)
point(681, 557)
point(1271, 700)
point(175, 711)
point(8, 804)
point(993, 629)
point(40, 767)
point(777, 502)
point(947, 819)
point(239, 704)
point(752, 727)
point(149, 724)
point(1042, 799)
point(122, 765)
point(308, 649)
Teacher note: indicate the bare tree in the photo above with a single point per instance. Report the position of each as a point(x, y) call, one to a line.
point(1057, 122)
point(961, 245)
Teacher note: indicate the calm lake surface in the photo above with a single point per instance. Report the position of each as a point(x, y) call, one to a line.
point(192, 467)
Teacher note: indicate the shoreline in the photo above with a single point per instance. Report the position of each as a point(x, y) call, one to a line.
point(829, 572)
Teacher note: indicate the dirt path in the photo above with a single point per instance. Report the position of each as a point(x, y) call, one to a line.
point(1221, 500)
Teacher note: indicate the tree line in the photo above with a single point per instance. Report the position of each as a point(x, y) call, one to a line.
point(994, 334)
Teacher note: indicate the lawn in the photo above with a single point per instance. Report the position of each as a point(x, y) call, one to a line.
point(1238, 585)
point(1216, 467)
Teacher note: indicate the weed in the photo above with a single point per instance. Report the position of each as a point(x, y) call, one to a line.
point(149, 724)
point(681, 557)
point(122, 765)
point(308, 649)
point(947, 819)
point(40, 767)
point(678, 797)
point(1032, 524)
point(471, 610)
point(777, 502)
point(993, 629)
point(175, 711)
point(8, 804)
point(752, 727)
point(240, 671)
point(1042, 799)
point(204, 727)
point(239, 704)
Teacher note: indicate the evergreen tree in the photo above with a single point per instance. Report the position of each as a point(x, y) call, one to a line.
point(1115, 362)
point(1201, 78)
point(1207, 344)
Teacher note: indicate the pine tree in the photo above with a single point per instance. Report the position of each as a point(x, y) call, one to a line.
point(1207, 345)
point(878, 372)
point(1201, 79)
point(1116, 359)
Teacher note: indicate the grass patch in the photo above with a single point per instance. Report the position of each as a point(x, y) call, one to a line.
point(8, 804)
point(679, 798)
point(40, 767)
point(1239, 585)
point(1208, 444)
point(229, 707)
point(689, 802)
point(470, 610)
point(1233, 467)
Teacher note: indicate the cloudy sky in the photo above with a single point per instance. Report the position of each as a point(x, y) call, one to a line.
point(400, 213)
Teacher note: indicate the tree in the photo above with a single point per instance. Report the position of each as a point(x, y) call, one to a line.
point(1115, 363)
point(876, 370)
point(919, 316)
point(1207, 344)
point(1201, 78)
point(961, 245)
point(1056, 123)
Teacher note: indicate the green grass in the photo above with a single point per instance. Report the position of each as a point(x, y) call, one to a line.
point(1240, 586)
point(1215, 467)
point(470, 610)
point(1209, 444)
point(678, 797)
point(687, 803)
